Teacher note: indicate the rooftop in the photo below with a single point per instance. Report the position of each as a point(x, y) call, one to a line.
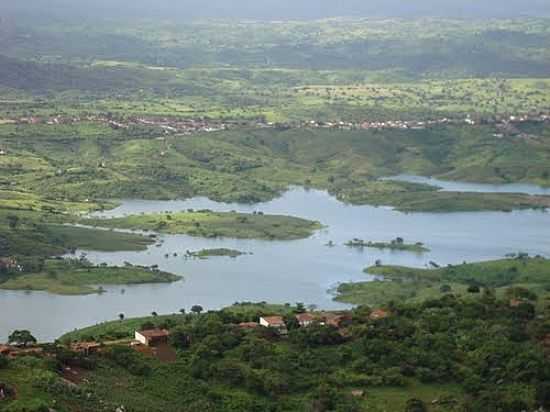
point(154, 333)
point(305, 317)
point(274, 320)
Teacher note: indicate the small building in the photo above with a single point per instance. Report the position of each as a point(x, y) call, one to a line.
point(152, 337)
point(336, 319)
point(275, 322)
point(8, 263)
point(305, 319)
point(379, 314)
point(18, 352)
point(86, 348)
point(5, 350)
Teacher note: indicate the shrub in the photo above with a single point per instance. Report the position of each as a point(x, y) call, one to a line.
point(3, 361)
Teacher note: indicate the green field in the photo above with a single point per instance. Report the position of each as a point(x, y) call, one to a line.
point(334, 69)
point(216, 224)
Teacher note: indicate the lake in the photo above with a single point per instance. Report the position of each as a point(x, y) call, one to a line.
point(450, 186)
point(277, 271)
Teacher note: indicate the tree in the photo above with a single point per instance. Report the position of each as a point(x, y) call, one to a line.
point(543, 395)
point(196, 309)
point(473, 289)
point(147, 326)
point(154, 314)
point(445, 289)
point(518, 292)
point(182, 311)
point(13, 221)
point(21, 338)
point(3, 361)
point(121, 316)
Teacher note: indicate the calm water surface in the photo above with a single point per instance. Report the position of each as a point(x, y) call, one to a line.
point(277, 271)
point(449, 186)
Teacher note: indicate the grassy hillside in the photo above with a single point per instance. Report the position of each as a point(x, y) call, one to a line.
point(31, 226)
point(252, 165)
point(514, 278)
point(509, 48)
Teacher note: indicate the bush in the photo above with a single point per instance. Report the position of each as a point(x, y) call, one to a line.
point(130, 360)
point(473, 289)
point(3, 361)
point(415, 405)
point(28, 405)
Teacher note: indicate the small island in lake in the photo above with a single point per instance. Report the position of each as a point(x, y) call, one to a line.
point(206, 253)
point(396, 244)
point(80, 277)
point(209, 224)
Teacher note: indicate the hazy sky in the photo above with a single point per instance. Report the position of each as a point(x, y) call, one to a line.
point(277, 9)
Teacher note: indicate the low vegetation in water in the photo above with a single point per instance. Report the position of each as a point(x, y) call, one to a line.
point(396, 244)
point(522, 275)
point(79, 277)
point(210, 224)
point(206, 253)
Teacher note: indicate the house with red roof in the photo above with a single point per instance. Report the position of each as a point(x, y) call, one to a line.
point(274, 322)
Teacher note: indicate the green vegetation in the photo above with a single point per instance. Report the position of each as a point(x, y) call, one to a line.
point(31, 227)
point(417, 285)
point(335, 69)
point(466, 337)
point(350, 70)
point(253, 165)
point(77, 277)
point(216, 224)
point(441, 355)
point(396, 244)
point(104, 241)
point(206, 253)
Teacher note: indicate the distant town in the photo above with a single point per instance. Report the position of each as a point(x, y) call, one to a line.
point(173, 125)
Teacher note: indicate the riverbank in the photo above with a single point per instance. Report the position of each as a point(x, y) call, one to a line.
point(210, 224)
point(399, 283)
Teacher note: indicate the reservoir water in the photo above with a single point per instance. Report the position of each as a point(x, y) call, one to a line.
point(277, 271)
point(452, 186)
